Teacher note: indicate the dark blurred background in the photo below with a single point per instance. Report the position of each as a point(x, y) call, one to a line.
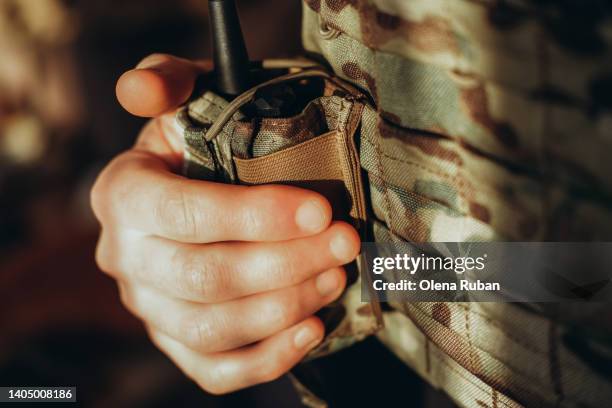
point(61, 322)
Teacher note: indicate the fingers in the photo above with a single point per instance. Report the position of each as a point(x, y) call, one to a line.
point(214, 273)
point(229, 325)
point(158, 84)
point(263, 362)
point(137, 191)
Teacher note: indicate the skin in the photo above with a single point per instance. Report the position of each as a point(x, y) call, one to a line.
point(225, 278)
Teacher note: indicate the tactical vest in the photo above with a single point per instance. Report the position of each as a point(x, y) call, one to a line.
point(442, 121)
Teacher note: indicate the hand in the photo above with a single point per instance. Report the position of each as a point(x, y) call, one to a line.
point(226, 278)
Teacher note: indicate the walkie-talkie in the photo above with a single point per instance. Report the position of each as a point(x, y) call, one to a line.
point(233, 71)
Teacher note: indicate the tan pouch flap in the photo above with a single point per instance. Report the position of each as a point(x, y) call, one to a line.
point(327, 164)
point(319, 164)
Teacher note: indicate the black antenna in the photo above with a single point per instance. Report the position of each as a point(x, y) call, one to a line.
point(232, 76)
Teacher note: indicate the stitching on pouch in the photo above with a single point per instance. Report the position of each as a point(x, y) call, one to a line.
point(459, 183)
point(553, 362)
point(513, 369)
point(443, 204)
point(507, 334)
point(437, 354)
point(492, 322)
point(379, 165)
point(468, 336)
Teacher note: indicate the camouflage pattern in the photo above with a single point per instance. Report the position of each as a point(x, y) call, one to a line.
point(485, 121)
point(489, 122)
point(211, 154)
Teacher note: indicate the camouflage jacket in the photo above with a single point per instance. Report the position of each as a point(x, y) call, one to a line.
point(488, 120)
point(491, 124)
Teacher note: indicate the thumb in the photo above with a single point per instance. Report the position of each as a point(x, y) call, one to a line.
point(158, 84)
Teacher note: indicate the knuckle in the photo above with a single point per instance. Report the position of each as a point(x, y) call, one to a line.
point(190, 271)
point(287, 264)
point(272, 369)
point(125, 299)
point(112, 187)
point(198, 332)
point(264, 204)
point(217, 379)
point(280, 265)
point(102, 258)
point(96, 197)
point(100, 192)
point(174, 213)
point(281, 310)
point(123, 295)
point(204, 277)
point(251, 222)
point(213, 388)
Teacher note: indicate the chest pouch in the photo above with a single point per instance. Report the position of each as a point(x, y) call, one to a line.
point(313, 144)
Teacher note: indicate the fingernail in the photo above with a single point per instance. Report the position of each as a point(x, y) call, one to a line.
point(311, 216)
point(305, 338)
point(151, 67)
point(327, 283)
point(342, 248)
point(152, 61)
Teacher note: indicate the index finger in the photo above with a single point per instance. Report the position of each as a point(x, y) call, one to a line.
point(138, 191)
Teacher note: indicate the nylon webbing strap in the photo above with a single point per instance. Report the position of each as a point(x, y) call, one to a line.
point(248, 96)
